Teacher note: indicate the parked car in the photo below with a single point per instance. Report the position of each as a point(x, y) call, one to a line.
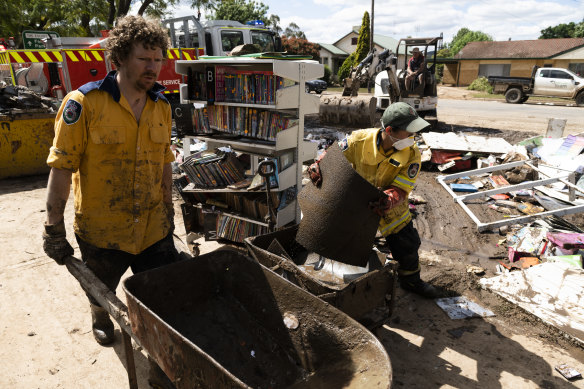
point(315, 85)
point(553, 82)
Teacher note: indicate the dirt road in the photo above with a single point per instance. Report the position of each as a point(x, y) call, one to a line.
point(496, 114)
point(46, 339)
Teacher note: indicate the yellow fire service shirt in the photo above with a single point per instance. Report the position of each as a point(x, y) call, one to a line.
point(397, 168)
point(117, 164)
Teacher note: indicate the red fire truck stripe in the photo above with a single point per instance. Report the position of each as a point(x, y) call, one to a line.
point(72, 56)
point(16, 57)
point(96, 55)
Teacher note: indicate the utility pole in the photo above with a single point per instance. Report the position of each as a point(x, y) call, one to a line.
point(371, 23)
point(371, 47)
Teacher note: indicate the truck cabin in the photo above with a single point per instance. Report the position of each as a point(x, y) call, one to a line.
point(428, 48)
point(219, 37)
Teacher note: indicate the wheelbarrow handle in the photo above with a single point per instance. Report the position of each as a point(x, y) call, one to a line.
point(267, 168)
point(113, 305)
point(104, 296)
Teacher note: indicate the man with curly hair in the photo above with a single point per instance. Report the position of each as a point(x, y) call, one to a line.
point(112, 140)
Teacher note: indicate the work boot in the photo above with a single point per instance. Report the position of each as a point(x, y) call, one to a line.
point(156, 377)
point(103, 328)
point(414, 284)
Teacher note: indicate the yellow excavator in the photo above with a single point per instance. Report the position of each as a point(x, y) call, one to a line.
point(389, 72)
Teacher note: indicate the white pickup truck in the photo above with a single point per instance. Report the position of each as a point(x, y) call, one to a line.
point(551, 82)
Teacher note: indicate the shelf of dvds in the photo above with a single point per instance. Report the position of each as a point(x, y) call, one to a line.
point(254, 106)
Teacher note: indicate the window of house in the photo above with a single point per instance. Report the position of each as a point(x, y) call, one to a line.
point(547, 65)
point(487, 70)
point(577, 68)
point(354, 41)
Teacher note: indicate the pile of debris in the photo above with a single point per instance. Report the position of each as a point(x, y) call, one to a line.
point(17, 98)
point(523, 191)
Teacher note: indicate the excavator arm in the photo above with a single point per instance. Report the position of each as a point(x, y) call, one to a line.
point(365, 71)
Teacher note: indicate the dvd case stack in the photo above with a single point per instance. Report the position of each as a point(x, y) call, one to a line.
point(237, 230)
point(248, 122)
point(213, 171)
point(201, 121)
point(243, 86)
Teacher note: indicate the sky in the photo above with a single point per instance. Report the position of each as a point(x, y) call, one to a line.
point(326, 21)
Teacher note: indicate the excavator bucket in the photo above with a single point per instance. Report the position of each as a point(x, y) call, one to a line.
point(355, 111)
point(351, 87)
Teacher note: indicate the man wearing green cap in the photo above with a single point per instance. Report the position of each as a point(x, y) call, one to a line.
point(389, 159)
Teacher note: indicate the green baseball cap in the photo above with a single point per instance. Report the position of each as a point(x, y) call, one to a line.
point(402, 116)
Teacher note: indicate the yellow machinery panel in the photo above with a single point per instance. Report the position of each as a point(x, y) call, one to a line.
point(25, 140)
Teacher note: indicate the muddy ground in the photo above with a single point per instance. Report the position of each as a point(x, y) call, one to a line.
point(46, 339)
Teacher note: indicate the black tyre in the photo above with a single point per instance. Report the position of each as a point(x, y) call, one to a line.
point(514, 96)
point(580, 99)
point(318, 92)
point(307, 89)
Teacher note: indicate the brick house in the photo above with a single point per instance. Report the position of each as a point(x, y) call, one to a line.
point(513, 58)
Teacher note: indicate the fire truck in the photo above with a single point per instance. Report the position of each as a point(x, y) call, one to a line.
point(68, 62)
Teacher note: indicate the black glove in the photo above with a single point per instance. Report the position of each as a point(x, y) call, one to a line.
point(170, 215)
point(55, 242)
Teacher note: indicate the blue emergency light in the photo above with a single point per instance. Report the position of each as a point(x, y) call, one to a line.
point(256, 23)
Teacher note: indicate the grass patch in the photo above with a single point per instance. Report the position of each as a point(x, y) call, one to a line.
point(340, 89)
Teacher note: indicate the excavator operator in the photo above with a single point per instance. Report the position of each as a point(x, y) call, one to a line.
point(416, 66)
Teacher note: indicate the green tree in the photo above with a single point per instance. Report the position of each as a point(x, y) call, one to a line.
point(442, 53)
point(361, 51)
point(327, 74)
point(464, 36)
point(239, 10)
point(273, 23)
point(363, 43)
point(72, 17)
point(202, 4)
point(152, 8)
point(294, 31)
point(563, 30)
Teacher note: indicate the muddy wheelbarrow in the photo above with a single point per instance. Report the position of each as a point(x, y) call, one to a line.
point(367, 294)
point(222, 320)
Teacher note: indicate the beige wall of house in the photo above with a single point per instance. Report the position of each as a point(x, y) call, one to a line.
point(449, 75)
point(345, 43)
point(573, 55)
point(469, 69)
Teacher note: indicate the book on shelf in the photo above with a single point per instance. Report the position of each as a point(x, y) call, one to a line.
point(201, 121)
point(213, 170)
point(247, 122)
point(237, 230)
point(252, 205)
point(234, 85)
point(197, 85)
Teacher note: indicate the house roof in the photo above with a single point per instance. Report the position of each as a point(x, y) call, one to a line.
point(333, 49)
point(539, 48)
point(386, 42)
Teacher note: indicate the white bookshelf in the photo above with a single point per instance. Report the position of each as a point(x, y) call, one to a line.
point(290, 98)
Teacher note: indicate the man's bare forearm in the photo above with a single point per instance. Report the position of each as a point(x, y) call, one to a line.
point(58, 189)
point(167, 183)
